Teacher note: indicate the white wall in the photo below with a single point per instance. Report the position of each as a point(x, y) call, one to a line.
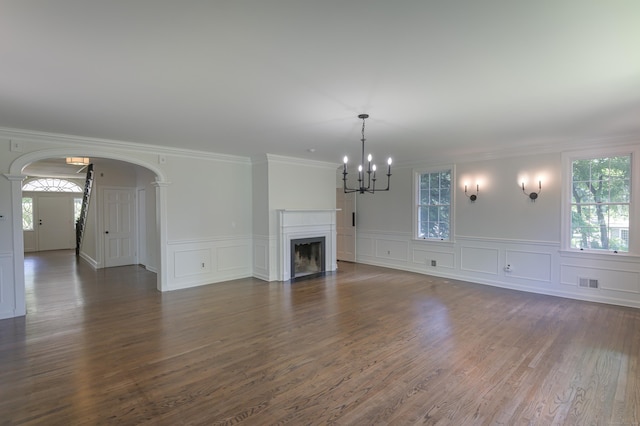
point(209, 218)
point(503, 227)
point(263, 243)
point(291, 183)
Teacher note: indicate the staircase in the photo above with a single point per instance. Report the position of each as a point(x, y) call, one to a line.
point(82, 220)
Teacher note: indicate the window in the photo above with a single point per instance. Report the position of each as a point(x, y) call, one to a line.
point(77, 209)
point(433, 209)
point(600, 203)
point(51, 185)
point(27, 214)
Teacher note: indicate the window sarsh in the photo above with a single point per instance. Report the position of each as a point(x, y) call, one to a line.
point(600, 203)
point(434, 205)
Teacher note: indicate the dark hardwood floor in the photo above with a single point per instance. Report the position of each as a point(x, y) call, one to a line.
point(366, 345)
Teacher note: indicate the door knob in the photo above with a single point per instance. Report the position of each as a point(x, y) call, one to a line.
point(106, 232)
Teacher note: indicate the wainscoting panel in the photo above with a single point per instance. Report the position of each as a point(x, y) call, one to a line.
point(424, 257)
point(261, 257)
point(231, 258)
point(529, 265)
point(364, 246)
point(194, 263)
point(536, 266)
point(482, 260)
point(391, 249)
point(8, 306)
point(607, 279)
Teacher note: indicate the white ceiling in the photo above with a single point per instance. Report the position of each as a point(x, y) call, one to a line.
point(446, 77)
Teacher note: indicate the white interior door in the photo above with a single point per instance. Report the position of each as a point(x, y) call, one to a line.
point(346, 225)
point(119, 227)
point(55, 228)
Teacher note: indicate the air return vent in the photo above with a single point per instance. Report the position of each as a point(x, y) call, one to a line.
point(588, 282)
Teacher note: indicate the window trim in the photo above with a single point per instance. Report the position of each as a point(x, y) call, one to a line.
point(416, 191)
point(567, 174)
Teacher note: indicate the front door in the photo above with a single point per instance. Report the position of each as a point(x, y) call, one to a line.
point(55, 228)
point(119, 227)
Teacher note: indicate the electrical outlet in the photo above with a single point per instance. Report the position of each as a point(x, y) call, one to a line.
point(433, 263)
point(508, 268)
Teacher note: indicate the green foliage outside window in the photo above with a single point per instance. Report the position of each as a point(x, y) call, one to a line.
point(434, 205)
point(600, 199)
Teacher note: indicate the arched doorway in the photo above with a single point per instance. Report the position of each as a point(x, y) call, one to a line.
point(50, 208)
point(16, 178)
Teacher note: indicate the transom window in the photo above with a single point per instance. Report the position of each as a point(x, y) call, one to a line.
point(51, 185)
point(600, 203)
point(433, 204)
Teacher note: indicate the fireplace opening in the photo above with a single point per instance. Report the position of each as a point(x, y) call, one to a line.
point(307, 257)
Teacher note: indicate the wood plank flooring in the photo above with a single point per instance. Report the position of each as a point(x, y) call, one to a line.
point(366, 345)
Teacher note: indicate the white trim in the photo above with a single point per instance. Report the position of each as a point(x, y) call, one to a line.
point(605, 256)
point(208, 240)
point(508, 240)
point(19, 163)
point(89, 144)
point(271, 158)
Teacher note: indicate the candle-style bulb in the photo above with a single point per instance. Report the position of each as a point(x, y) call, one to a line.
point(346, 160)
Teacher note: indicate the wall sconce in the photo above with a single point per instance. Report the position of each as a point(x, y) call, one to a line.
point(533, 195)
point(472, 197)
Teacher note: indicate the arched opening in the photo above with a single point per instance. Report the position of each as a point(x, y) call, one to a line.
point(51, 207)
point(156, 184)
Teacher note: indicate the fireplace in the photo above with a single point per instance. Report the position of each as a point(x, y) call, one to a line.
point(307, 257)
point(306, 225)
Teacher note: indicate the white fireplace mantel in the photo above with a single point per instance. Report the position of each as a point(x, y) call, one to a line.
point(296, 224)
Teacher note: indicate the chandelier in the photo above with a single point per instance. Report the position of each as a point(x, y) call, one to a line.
point(370, 177)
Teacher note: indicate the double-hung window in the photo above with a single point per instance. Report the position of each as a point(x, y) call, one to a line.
point(600, 203)
point(433, 210)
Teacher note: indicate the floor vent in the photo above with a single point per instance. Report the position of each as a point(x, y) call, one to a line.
point(588, 282)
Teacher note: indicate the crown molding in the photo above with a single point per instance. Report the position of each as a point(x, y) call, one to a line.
point(272, 158)
point(44, 137)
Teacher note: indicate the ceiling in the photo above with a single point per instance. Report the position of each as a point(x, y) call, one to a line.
point(438, 78)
